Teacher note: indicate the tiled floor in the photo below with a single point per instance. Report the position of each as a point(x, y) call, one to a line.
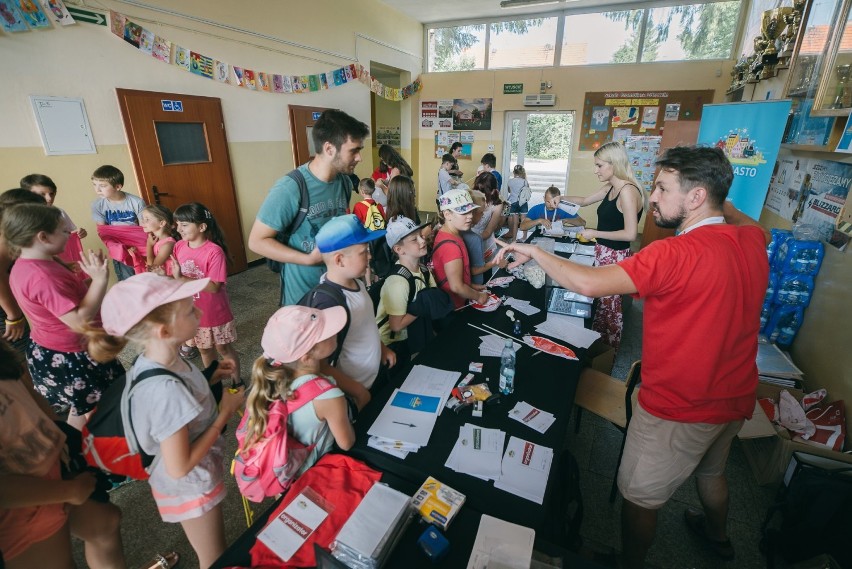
point(254, 295)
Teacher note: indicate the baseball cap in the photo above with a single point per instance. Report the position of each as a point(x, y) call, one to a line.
point(293, 330)
point(457, 200)
point(399, 228)
point(128, 302)
point(345, 230)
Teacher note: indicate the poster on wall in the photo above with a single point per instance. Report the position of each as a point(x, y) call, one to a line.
point(750, 135)
point(642, 152)
point(824, 191)
point(472, 114)
point(444, 139)
point(436, 114)
point(785, 189)
point(388, 135)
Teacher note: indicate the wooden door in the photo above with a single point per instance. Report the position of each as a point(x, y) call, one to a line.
point(302, 120)
point(676, 133)
point(180, 155)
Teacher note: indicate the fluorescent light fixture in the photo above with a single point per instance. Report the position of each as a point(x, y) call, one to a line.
point(526, 3)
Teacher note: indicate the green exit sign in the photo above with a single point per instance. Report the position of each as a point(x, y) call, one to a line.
point(513, 88)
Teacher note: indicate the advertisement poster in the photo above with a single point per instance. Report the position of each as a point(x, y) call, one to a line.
point(824, 191)
point(388, 135)
point(750, 135)
point(642, 152)
point(784, 191)
point(471, 114)
point(436, 114)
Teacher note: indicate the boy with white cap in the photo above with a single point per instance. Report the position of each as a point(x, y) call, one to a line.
point(450, 258)
point(343, 242)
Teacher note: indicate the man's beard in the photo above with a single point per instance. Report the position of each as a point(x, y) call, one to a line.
point(670, 222)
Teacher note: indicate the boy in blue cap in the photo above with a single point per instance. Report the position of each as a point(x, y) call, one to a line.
point(343, 243)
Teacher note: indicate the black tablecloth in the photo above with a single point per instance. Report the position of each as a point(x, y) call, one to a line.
point(544, 381)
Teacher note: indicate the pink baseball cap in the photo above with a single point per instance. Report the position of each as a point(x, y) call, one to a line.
point(293, 330)
point(128, 302)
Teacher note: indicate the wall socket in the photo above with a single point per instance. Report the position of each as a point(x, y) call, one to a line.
point(490, 148)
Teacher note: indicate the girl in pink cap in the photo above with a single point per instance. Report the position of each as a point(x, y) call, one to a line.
point(173, 410)
point(295, 341)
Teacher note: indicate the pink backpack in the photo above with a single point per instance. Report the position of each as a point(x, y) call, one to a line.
point(270, 465)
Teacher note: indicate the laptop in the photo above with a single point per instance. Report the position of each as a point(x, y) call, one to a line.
point(570, 303)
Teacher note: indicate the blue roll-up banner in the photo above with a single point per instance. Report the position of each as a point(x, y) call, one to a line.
point(750, 135)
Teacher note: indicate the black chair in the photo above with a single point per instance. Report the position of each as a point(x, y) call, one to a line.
point(610, 399)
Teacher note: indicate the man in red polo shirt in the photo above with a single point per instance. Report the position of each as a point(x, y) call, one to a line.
point(703, 291)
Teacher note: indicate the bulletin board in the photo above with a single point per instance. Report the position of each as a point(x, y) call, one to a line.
point(615, 115)
point(444, 139)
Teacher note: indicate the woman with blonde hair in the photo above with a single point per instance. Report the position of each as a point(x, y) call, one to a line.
point(621, 204)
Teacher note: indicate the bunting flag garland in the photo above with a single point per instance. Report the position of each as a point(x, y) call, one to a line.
point(208, 67)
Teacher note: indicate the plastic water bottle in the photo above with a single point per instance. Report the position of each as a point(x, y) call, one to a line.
point(507, 369)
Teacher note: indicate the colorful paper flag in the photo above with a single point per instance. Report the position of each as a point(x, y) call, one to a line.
point(132, 33)
point(249, 79)
point(33, 14)
point(263, 81)
point(116, 23)
point(277, 83)
point(221, 72)
point(201, 64)
point(146, 42)
point(56, 9)
point(12, 20)
point(313, 83)
point(239, 79)
point(182, 56)
point(162, 49)
point(287, 84)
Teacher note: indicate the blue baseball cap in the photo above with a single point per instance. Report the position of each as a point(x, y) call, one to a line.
point(345, 230)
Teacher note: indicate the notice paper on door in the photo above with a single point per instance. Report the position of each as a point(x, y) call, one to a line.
point(289, 530)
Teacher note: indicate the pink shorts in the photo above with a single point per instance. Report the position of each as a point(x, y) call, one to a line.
point(206, 338)
point(659, 455)
point(21, 528)
point(176, 509)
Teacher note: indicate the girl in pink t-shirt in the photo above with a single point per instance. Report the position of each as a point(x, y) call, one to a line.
point(202, 252)
point(58, 306)
point(159, 223)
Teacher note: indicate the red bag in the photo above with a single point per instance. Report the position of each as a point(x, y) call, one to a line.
point(830, 422)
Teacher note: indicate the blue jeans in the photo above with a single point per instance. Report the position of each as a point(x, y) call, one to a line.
point(122, 271)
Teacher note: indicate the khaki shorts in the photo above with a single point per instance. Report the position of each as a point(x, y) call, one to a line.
point(659, 455)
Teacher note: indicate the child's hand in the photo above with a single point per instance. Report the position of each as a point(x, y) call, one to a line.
point(388, 356)
point(227, 368)
point(81, 487)
point(314, 257)
point(81, 233)
point(95, 265)
point(232, 401)
point(175, 265)
point(151, 240)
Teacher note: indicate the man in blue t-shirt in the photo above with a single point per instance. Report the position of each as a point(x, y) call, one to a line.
point(339, 139)
point(546, 213)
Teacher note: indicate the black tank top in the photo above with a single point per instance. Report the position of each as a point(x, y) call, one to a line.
point(610, 219)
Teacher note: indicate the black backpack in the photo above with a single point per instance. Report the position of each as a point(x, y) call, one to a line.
point(816, 514)
point(333, 292)
point(376, 288)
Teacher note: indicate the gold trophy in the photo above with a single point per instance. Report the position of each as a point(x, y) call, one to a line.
point(755, 61)
point(771, 25)
point(787, 39)
point(842, 71)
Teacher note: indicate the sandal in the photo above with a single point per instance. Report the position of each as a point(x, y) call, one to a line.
point(188, 352)
point(166, 561)
point(696, 522)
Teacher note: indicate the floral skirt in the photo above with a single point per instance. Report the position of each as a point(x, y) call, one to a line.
point(206, 338)
point(70, 381)
point(609, 320)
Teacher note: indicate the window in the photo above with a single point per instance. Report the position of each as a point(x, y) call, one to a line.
point(679, 32)
point(522, 43)
point(457, 49)
point(695, 31)
point(182, 142)
point(604, 37)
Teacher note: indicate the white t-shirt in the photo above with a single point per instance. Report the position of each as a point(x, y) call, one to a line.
point(160, 407)
point(515, 185)
point(444, 184)
point(361, 354)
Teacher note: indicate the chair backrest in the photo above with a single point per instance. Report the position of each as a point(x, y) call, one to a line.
point(634, 378)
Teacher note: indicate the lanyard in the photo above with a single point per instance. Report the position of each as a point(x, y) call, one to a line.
point(715, 220)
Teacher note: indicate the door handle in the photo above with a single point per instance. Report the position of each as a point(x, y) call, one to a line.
point(158, 194)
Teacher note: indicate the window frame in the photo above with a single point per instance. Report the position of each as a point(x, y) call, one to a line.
point(560, 30)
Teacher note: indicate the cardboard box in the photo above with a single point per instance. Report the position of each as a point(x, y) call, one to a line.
point(768, 448)
point(601, 356)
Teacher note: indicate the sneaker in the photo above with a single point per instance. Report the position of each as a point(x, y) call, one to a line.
point(118, 481)
point(166, 561)
point(188, 352)
point(696, 522)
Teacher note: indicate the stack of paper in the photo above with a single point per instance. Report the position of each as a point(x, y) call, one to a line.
point(568, 329)
point(564, 247)
point(581, 249)
point(531, 416)
point(522, 306)
point(406, 420)
point(525, 468)
point(586, 260)
point(501, 545)
point(492, 345)
point(575, 230)
point(555, 230)
point(477, 452)
point(431, 381)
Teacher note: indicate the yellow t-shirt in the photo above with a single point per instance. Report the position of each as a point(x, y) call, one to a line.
point(394, 302)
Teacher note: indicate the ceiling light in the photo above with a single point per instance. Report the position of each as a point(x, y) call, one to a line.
point(526, 3)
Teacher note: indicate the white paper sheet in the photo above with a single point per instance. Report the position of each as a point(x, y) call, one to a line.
point(568, 329)
point(531, 416)
point(291, 528)
point(586, 260)
point(431, 381)
point(392, 448)
point(582, 249)
point(372, 519)
point(525, 468)
point(501, 545)
point(561, 247)
point(411, 424)
point(522, 306)
point(492, 345)
point(481, 451)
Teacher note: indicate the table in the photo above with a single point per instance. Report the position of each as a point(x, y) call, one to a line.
point(461, 535)
point(542, 380)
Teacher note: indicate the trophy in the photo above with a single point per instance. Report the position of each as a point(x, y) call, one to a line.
point(787, 39)
point(755, 61)
point(770, 25)
point(842, 71)
point(804, 72)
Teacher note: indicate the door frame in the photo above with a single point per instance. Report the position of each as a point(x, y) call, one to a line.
point(294, 134)
point(508, 116)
